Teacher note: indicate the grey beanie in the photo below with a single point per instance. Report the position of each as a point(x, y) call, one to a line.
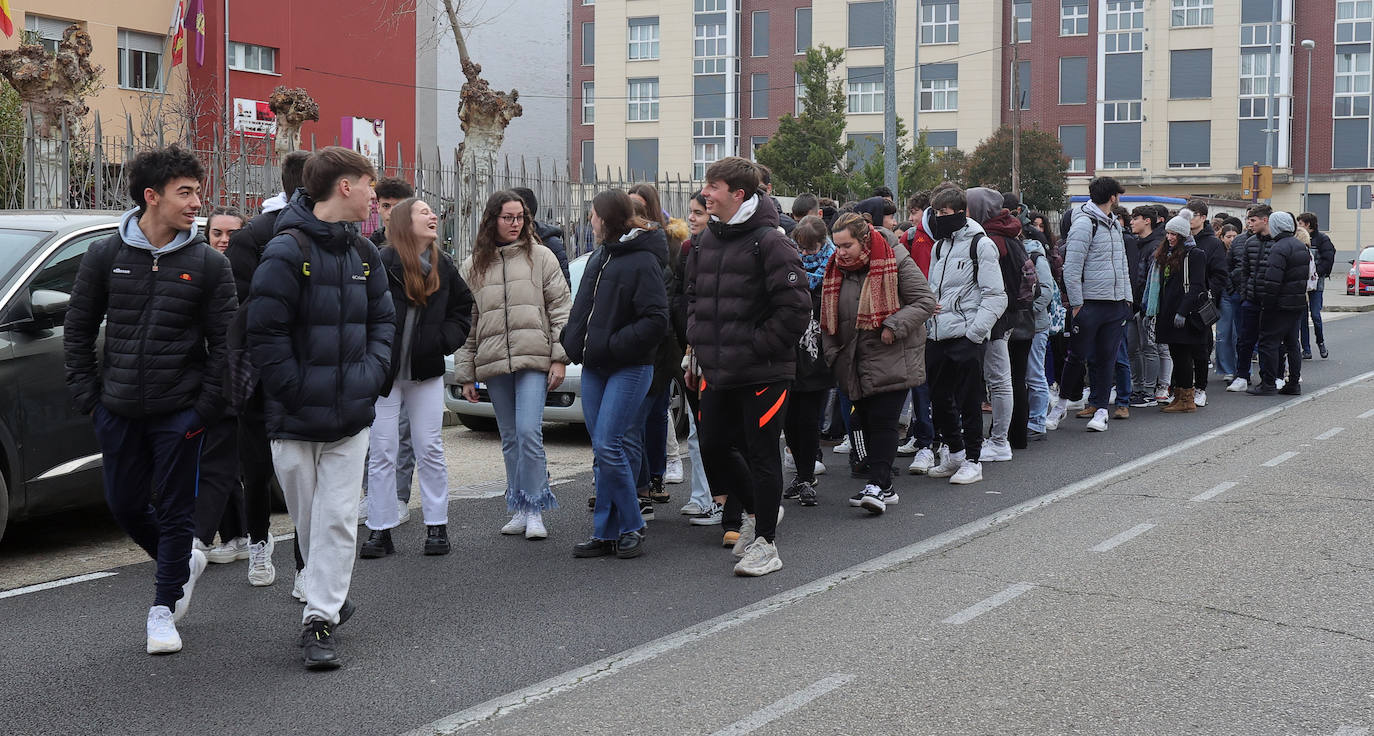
point(1179, 226)
point(1281, 223)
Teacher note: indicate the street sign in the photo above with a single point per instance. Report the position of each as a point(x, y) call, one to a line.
point(1359, 196)
point(1257, 182)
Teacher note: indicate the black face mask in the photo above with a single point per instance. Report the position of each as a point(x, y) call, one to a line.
point(947, 225)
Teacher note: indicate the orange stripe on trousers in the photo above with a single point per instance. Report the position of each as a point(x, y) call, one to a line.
point(768, 416)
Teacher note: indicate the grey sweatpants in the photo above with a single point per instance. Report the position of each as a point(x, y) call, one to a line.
point(320, 482)
point(997, 375)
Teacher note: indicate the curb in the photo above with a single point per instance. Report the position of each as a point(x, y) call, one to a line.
point(1350, 308)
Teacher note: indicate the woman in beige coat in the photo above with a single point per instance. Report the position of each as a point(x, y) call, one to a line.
point(522, 304)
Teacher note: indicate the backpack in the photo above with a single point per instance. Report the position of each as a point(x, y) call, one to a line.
point(1020, 281)
point(1058, 313)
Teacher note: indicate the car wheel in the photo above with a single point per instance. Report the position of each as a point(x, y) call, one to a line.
point(4, 506)
point(478, 424)
point(678, 407)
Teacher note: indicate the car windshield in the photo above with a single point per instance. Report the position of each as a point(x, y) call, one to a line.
point(1367, 254)
point(15, 246)
point(575, 270)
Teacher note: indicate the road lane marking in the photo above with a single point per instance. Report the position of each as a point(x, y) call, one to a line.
point(1366, 415)
point(1280, 459)
point(1328, 434)
point(763, 716)
point(1214, 491)
point(1351, 731)
point(1122, 538)
point(502, 705)
point(989, 603)
point(55, 584)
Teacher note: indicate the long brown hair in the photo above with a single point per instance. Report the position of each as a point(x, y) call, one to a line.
point(484, 248)
point(401, 236)
point(617, 213)
point(1171, 258)
point(652, 203)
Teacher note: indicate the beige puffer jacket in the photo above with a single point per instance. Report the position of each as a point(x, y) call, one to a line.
point(518, 314)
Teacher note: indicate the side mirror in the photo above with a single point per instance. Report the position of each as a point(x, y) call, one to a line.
point(50, 304)
point(1351, 261)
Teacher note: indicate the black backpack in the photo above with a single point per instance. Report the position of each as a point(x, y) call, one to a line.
point(1021, 285)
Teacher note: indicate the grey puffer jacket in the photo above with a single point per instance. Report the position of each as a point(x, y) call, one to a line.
point(1095, 265)
point(969, 305)
point(863, 365)
point(1043, 291)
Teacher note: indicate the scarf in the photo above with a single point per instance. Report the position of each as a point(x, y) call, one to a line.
point(878, 297)
point(814, 263)
point(1152, 291)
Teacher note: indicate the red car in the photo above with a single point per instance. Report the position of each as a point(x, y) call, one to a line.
point(1360, 280)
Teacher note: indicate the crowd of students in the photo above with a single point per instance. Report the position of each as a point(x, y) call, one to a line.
point(289, 346)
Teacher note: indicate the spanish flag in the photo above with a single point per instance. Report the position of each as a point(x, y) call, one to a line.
point(178, 32)
point(6, 22)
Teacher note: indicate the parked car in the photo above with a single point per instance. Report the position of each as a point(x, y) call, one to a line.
point(562, 405)
point(49, 459)
point(1360, 280)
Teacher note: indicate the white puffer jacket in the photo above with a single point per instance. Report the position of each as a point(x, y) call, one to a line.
point(968, 307)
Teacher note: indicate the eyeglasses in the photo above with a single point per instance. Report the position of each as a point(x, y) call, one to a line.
point(511, 219)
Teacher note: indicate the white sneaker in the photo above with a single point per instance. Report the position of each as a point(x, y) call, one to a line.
point(230, 551)
point(1278, 383)
point(673, 473)
point(969, 472)
point(534, 526)
point(298, 587)
point(709, 517)
point(950, 465)
point(909, 448)
point(843, 448)
point(1079, 404)
point(162, 632)
point(760, 558)
point(819, 469)
point(1238, 385)
point(746, 536)
point(404, 511)
point(198, 564)
point(1056, 415)
point(922, 463)
point(260, 569)
point(788, 464)
point(516, 525)
point(1200, 397)
point(691, 509)
point(1099, 421)
point(995, 451)
point(872, 499)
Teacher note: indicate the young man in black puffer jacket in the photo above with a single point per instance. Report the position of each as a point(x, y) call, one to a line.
point(747, 305)
point(320, 325)
point(166, 298)
point(1281, 288)
point(1248, 254)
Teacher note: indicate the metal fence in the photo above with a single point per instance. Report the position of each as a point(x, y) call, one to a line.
point(86, 170)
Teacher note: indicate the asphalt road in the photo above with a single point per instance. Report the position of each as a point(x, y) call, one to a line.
point(435, 636)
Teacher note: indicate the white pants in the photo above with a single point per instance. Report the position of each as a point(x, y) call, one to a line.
point(320, 481)
point(424, 405)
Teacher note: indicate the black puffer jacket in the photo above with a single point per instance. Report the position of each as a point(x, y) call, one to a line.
point(621, 311)
point(166, 323)
point(1326, 253)
point(747, 304)
point(321, 343)
point(1173, 300)
point(1235, 264)
point(552, 237)
point(1218, 272)
point(1253, 260)
point(442, 325)
point(1282, 281)
point(1139, 264)
point(677, 296)
point(245, 249)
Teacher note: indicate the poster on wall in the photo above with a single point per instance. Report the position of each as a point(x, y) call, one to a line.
point(366, 136)
point(254, 118)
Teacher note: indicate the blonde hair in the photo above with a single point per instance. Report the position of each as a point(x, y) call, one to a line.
point(1303, 236)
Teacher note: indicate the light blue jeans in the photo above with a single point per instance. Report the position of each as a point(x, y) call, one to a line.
point(518, 399)
point(1226, 334)
point(613, 404)
point(1038, 388)
point(701, 490)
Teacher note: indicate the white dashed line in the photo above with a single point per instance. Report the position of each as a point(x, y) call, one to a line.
point(55, 584)
point(1351, 731)
point(987, 604)
point(1280, 459)
point(763, 716)
point(1366, 415)
point(1328, 434)
point(1214, 492)
point(1123, 537)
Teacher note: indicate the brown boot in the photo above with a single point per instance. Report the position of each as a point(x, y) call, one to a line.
point(1087, 412)
point(1182, 403)
point(1122, 412)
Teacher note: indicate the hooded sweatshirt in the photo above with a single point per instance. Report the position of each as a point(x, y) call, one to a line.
point(874, 207)
point(621, 313)
point(1282, 283)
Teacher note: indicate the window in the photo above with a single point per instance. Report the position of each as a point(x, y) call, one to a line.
point(643, 105)
point(1073, 80)
point(710, 46)
point(758, 95)
point(1254, 83)
point(1022, 88)
point(865, 146)
point(939, 22)
point(757, 142)
point(712, 6)
point(246, 57)
point(759, 29)
point(59, 273)
point(1021, 16)
point(643, 39)
point(588, 44)
point(1190, 74)
point(708, 145)
point(939, 87)
point(1190, 145)
point(140, 61)
point(1073, 18)
point(1125, 24)
point(1074, 140)
point(1121, 135)
point(942, 140)
point(1191, 13)
point(1353, 20)
point(708, 96)
point(865, 24)
point(1352, 85)
point(588, 103)
point(800, 93)
point(803, 29)
point(865, 89)
point(48, 30)
point(641, 158)
point(588, 161)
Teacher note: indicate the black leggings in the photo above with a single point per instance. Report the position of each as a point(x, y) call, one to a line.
point(1020, 407)
point(875, 424)
point(739, 448)
point(1190, 365)
point(803, 429)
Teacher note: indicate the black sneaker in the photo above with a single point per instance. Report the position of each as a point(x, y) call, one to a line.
point(1292, 388)
point(656, 492)
point(346, 612)
point(378, 544)
point(1307, 355)
point(806, 494)
point(591, 503)
point(1321, 348)
point(319, 646)
point(793, 490)
point(856, 500)
point(646, 508)
point(436, 539)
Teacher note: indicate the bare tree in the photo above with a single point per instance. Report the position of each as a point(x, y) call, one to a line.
point(292, 107)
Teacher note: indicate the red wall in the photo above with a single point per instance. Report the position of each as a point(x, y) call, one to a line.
point(355, 59)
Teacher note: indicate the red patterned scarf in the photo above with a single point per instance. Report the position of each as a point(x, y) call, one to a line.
point(877, 300)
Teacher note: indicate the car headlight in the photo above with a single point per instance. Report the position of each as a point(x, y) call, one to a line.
point(1353, 273)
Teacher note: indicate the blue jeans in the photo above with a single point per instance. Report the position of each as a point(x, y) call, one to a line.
point(922, 426)
point(613, 404)
point(1226, 334)
point(1247, 337)
point(1314, 308)
point(1038, 388)
point(1123, 374)
point(654, 459)
point(518, 399)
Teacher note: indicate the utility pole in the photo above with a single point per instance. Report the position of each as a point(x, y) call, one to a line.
point(890, 142)
point(1015, 104)
point(1271, 123)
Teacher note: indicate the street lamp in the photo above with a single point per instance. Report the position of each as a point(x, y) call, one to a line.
point(1308, 44)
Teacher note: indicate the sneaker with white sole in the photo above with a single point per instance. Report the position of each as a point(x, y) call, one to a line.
point(673, 473)
point(198, 565)
point(1079, 404)
point(951, 464)
point(995, 451)
point(231, 551)
point(1200, 397)
point(534, 526)
point(969, 472)
point(516, 525)
point(162, 632)
point(923, 462)
point(843, 448)
point(260, 570)
point(818, 469)
point(1238, 386)
point(759, 559)
point(909, 448)
point(298, 586)
point(692, 508)
point(1056, 415)
point(788, 464)
point(709, 517)
point(1099, 421)
point(404, 509)
point(746, 537)
point(1279, 383)
point(871, 499)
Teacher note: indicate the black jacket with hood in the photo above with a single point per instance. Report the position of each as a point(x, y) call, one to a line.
point(1325, 252)
point(1281, 281)
point(1218, 272)
point(552, 238)
point(440, 328)
point(621, 312)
